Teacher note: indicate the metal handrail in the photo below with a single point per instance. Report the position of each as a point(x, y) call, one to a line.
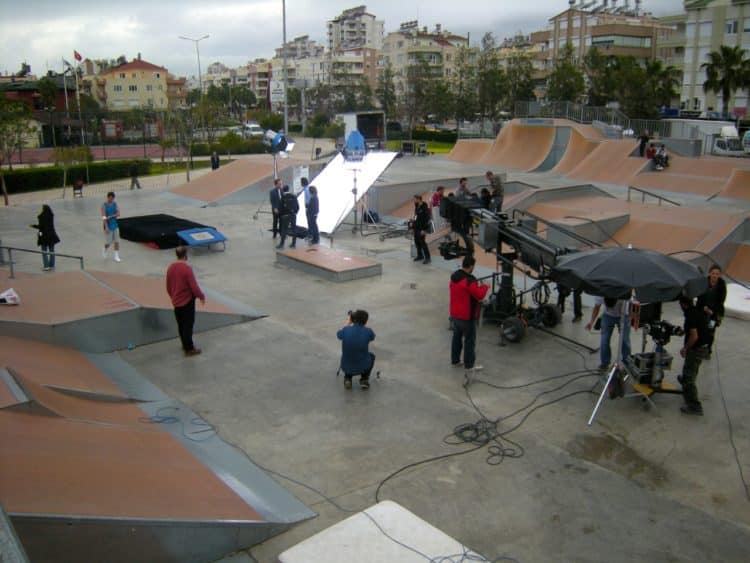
point(644, 193)
point(11, 249)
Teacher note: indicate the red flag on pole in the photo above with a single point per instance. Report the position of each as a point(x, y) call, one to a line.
point(77, 56)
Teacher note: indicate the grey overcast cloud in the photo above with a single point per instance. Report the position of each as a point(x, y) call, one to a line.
point(42, 32)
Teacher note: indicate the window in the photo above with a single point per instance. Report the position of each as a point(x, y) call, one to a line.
point(731, 27)
point(157, 75)
point(746, 25)
point(122, 75)
point(161, 87)
point(134, 75)
point(118, 88)
point(149, 87)
point(696, 103)
point(705, 29)
point(132, 88)
point(690, 31)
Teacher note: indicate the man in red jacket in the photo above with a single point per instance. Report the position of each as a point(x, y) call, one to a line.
point(183, 290)
point(466, 294)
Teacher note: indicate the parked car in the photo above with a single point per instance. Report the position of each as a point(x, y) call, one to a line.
point(252, 130)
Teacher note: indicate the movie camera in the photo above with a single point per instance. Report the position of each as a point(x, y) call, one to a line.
point(516, 245)
point(648, 367)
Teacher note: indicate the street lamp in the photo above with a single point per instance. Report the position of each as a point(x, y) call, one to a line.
point(284, 69)
point(198, 54)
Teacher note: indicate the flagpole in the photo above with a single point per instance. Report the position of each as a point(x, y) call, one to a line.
point(65, 91)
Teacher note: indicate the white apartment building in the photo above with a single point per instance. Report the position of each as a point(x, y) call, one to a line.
point(710, 24)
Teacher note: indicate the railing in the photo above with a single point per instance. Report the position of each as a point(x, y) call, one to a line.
point(12, 249)
point(645, 193)
point(581, 113)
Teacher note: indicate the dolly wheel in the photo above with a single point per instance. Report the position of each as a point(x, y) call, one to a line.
point(514, 329)
point(551, 315)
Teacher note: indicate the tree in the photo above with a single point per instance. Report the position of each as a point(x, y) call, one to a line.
point(418, 77)
point(520, 85)
point(244, 97)
point(566, 82)
point(386, 90)
point(193, 97)
point(439, 100)
point(598, 70)
point(662, 83)
point(464, 84)
point(67, 156)
point(14, 127)
point(490, 79)
point(727, 71)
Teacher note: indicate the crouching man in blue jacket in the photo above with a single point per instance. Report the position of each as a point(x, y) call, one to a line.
point(356, 358)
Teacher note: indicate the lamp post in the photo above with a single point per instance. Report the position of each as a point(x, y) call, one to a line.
point(198, 55)
point(284, 70)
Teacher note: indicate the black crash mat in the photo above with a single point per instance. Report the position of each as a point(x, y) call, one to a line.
point(159, 230)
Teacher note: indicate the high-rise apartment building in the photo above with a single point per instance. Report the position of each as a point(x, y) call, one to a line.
point(354, 28)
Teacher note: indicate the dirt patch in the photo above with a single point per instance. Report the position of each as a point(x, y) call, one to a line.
point(611, 453)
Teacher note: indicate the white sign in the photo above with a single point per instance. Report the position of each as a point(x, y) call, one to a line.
point(277, 91)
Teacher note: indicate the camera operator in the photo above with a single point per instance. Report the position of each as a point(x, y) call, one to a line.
point(695, 350)
point(356, 358)
point(465, 296)
point(613, 310)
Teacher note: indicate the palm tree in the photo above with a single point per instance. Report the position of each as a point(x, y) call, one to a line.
point(662, 82)
point(727, 71)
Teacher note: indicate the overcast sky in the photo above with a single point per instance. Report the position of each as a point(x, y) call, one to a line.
point(41, 32)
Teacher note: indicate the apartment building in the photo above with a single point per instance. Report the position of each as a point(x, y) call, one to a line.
point(614, 30)
point(710, 24)
point(134, 85)
point(355, 27)
point(411, 44)
point(301, 47)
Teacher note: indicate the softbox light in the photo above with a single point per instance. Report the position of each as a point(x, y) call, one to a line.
point(335, 185)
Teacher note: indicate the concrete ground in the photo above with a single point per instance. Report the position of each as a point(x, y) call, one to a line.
point(637, 485)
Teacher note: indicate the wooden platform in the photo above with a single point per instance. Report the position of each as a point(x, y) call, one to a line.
point(329, 264)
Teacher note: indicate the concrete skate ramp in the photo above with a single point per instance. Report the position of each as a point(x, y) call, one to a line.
point(469, 151)
point(91, 473)
point(236, 176)
point(678, 183)
point(610, 162)
point(519, 146)
point(579, 147)
point(102, 312)
point(737, 187)
point(739, 266)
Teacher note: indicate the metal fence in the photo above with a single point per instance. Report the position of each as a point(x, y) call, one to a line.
point(9, 256)
point(588, 114)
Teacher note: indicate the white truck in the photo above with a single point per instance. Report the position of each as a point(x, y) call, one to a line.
point(371, 124)
point(746, 142)
point(727, 142)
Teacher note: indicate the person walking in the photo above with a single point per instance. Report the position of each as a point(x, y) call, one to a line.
point(134, 183)
point(312, 210)
point(497, 191)
point(563, 293)
point(694, 350)
point(466, 293)
point(183, 290)
point(437, 197)
point(215, 161)
point(288, 217)
point(421, 228)
point(110, 214)
point(712, 303)
point(613, 310)
point(46, 237)
point(356, 358)
point(275, 198)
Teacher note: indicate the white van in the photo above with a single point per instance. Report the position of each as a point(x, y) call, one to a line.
point(252, 130)
point(746, 142)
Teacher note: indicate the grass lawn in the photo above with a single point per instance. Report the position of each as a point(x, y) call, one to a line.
point(432, 146)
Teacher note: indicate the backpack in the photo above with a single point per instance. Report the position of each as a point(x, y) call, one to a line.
point(289, 204)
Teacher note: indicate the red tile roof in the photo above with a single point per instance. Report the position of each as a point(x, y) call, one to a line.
point(136, 64)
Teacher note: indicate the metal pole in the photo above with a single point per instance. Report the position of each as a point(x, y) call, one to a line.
point(283, 63)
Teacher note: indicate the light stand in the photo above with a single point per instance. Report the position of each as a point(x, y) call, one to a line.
point(618, 370)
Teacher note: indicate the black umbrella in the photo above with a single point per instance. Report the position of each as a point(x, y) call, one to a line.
point(616, 272)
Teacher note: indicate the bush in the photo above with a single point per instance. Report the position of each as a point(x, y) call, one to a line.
point(295, 128)
point(439, 136)
point(46, 177)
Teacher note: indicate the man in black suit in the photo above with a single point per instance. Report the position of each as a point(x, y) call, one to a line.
point(275, 197)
